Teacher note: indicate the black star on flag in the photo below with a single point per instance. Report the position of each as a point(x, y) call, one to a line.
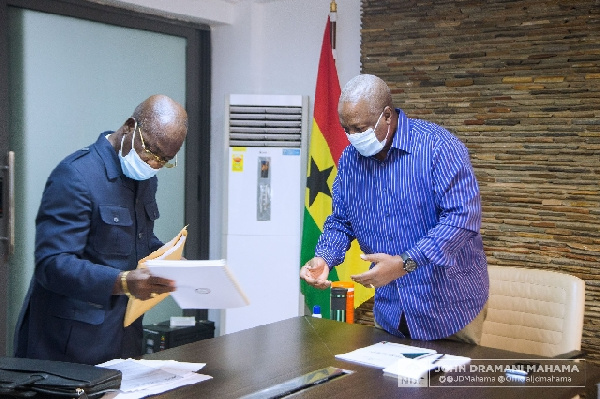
point(317, 182)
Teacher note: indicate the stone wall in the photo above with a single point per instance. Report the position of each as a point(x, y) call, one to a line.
point(519, 83)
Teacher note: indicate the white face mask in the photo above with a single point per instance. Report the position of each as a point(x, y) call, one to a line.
point(366, 143)
point(133, 166)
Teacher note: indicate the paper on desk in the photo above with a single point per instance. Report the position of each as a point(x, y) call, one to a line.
point(201, 284)
point(158, 389)
point(383, 354)
point(173, 366)
point(142, 378)
point(137, 376)
point(171, 250)
point(417, 368)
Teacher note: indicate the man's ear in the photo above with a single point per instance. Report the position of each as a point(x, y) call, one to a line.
point(387, 113)
point(130, 123)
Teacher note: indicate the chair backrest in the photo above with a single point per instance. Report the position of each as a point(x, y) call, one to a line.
point(534, 311)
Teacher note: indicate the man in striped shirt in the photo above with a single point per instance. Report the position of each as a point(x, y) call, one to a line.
point(406, 190)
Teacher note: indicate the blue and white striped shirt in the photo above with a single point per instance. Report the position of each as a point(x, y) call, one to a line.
point(423, 199)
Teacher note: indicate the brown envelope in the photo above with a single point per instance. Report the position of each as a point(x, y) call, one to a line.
point(173, 249)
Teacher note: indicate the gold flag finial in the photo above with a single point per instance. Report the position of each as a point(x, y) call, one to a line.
point(333, 23)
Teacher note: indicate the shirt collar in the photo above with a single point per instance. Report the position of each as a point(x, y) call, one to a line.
point(401, 139)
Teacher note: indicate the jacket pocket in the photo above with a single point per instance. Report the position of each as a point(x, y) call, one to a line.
point(73, 309)
point(114, 235)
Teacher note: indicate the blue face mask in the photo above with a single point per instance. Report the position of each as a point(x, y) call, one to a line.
point(366, 143)
point(133, 166)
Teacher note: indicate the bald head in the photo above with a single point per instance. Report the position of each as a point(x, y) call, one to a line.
point(164, 122)
point(370, 90)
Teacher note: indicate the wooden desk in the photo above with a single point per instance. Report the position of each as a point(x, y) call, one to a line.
point(252, 360)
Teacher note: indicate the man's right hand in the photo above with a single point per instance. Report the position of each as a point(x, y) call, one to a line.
point(315, 273)
point(143, 285)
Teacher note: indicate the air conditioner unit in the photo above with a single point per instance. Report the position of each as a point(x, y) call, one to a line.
point(265, 186)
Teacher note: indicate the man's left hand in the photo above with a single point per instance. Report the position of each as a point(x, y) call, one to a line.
point(386, 268)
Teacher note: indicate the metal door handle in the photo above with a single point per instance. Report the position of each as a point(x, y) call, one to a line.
point(10, 214)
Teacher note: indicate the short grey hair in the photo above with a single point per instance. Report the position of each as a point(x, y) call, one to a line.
point(367, 88)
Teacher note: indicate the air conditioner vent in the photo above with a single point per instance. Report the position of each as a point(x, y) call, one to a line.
point(264, 125)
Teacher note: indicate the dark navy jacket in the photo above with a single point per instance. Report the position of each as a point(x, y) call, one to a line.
point(93, 222)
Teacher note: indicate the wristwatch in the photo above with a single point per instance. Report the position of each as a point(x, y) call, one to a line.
point(409, 264)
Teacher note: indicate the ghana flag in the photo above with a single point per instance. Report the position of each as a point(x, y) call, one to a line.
point(327, 142)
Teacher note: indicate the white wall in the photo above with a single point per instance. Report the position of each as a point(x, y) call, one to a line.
point(272, 48)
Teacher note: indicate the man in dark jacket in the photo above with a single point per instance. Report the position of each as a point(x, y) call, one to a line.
point(95, 221)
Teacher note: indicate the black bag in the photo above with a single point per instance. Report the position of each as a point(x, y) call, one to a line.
point(25, 378)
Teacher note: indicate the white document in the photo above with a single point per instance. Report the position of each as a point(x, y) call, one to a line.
point(419, 367)
point(173, 246)
point(137, 376)
point(201, 284)
point(142, 378)
point(384, 354)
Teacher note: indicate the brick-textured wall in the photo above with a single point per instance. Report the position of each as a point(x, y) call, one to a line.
point(519, 83)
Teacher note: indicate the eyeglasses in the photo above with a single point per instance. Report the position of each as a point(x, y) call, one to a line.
point(160, 160)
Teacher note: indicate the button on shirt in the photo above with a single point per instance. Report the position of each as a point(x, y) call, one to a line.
point(422, 199)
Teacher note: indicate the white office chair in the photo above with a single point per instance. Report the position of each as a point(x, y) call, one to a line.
point(534, 311)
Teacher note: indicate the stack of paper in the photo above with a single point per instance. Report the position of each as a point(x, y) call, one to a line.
point(419, 367)
point(171, 250)
point(142, 378)
point(201, 284)
point(384, 354)
point(403, 360)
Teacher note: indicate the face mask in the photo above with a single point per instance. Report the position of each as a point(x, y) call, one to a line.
point(366, 143)
point(133, 166)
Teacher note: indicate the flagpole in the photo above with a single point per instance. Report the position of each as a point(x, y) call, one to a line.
point(327, 142)
point(332, 25)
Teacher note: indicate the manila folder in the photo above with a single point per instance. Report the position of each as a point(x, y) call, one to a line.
point(171, 250)
point(201, 284)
